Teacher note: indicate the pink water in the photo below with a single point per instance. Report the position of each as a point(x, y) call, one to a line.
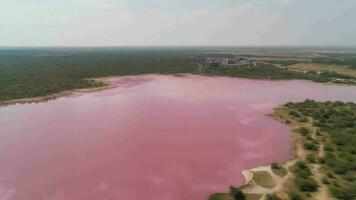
point(153, 137)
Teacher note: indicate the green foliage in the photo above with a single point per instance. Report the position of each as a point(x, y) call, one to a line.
point(237, 193)
point(34, 72)
point(272, 72)
point(344, 193)
point(220, 196)
point(337, 123)
point(301, 170)
point(304, 131)
point(306, 184)
point(294, 196)
point(310, 146)
point(41, 71)
point(325, 180)
point(337, 59)
point(272, 197)
point(311, 158)
point(275, 166)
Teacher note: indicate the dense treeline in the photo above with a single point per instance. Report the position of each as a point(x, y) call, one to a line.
point(37, 72)
point(41, 71)
point(336, 123)
point(269, 71)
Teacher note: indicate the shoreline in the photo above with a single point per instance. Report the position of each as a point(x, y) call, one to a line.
point(46, 98)
point(109, 85)
point(265, 181)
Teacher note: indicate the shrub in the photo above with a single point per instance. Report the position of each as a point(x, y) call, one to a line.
point(275, 166)
point(344, 193)
point(294, 113)
point(310, 158)
point(321, 160)
point(328, 147)
point(349, 177)
point(294, 196)
point(310, 146)
point(272, 197)
point(340, 169)
point(301, 170)
point(237, 193)
point(306, 185)
point(304, 131)
point(325, 180)
point(303, 120)
point(330, 175)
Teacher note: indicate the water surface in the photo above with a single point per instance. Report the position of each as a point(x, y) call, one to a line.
point(153, 137)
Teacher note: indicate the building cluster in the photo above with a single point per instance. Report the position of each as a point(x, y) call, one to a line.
point(229, 62)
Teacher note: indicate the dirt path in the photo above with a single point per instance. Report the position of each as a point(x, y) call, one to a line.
point(280, 185)
point(323, 192)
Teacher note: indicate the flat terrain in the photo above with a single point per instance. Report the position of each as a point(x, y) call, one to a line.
point(345, 70)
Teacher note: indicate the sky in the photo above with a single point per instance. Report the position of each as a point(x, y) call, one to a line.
point(177, 22)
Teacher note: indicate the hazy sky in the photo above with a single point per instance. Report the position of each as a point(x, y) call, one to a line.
point(177, 22)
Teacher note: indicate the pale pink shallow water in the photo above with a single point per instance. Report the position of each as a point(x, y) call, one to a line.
point(153, 137)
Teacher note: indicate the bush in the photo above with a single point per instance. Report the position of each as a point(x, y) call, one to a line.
point(321, 160)
point(306, 185)
point(294, 113)
point(237, 193)
point(344, 193)
point(330, 175)
point(302, 120)
point(349, 177)
point(272, 197)
point(310, 146)
point(328, 147)
point(325, 180)
point(294, 196)
point(310, 158)
point(275, 166)
point(301, 170)
point(340, 169)
point(304, 131)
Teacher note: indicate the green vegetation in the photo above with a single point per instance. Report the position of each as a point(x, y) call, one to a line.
point(263, 179)
point(326, 153)
point(33, 72)
point(37, 72)
point(236, 193)
point(336, 123)
point(278, 169)
point(272, 197)
point(269, 71)
point(294, 196)
point(337, 59)
point(220, 196)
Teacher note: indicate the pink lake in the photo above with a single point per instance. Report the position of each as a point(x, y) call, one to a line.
point(152, 137)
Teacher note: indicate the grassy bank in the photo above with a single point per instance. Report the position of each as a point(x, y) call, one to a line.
point(324, 166)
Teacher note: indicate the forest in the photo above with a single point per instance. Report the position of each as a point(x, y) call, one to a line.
point(33, 72)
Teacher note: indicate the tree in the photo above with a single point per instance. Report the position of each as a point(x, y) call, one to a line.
point(237, 193)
